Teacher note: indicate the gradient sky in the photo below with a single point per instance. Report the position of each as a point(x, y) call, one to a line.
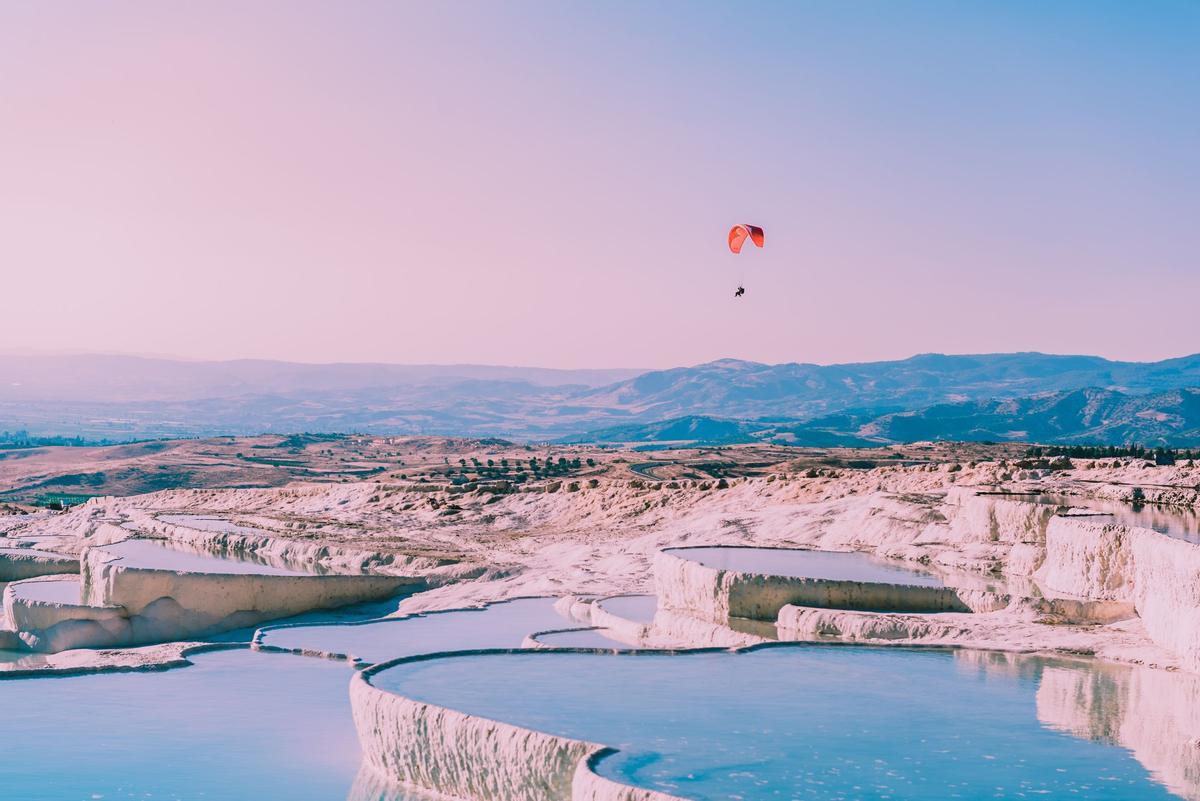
point(551, 183)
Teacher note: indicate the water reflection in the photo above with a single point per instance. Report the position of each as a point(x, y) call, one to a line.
point(846, 722)
point(826, 722)
point(801, 563)
point(1180, 522)
point(183, 557)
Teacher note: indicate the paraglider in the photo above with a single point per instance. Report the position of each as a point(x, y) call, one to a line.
point(738, 235)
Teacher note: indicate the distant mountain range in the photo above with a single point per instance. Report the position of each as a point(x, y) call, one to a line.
point(1070, 417)
point(1025, 396)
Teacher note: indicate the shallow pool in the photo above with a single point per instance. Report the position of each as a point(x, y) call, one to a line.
point(582, 638)
point(33, 552)
point(638, 608)
point(830, 565)
point(500, 625)
point(211, 523)
point(1180, 522)
point(826, 722)
point(163, 555)
point(59, 591)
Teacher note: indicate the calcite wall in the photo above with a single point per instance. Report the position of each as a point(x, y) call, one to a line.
point(23, 563)
point(464, 756)
point(716, 595)
point(1160, 575)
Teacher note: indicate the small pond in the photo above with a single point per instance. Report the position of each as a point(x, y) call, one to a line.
point(828, 565)
point(33, 552)
point(582, 638)
point(638, 608)
point(500, 625)
point(1180, 522)
point(165, 555)
point(211, 523)
point(57, 591)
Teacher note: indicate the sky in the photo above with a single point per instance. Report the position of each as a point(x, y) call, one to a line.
point(551, 184)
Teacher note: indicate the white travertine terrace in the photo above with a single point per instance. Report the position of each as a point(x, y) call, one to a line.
point(23, 563)
point(624, 629)
point(162, 602)
point(50, 625)
point(1062, 569)
point(1159, 575)
point(716, 594)
point(1013, 566)
point(121, 603)
point(465, 756)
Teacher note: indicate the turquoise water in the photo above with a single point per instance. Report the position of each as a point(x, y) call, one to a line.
point(638, 608)
point(815, 722)
point(502, 625)
point(831, 565)
point(159, 555)
point(237, 725)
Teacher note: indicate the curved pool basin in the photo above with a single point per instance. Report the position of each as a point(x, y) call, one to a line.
point(636, 608)
point(211, 523)
point(49, 591)
point(830, 722)
point(498, 625)
point(589, 637)
point(799, 563)
point(164, 555)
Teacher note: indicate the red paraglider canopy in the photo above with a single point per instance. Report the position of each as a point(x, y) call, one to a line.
point(739, 233)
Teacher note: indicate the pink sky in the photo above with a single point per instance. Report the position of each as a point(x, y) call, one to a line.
point(551, 184)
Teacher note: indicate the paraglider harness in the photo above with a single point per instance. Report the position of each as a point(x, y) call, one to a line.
point(740, 291)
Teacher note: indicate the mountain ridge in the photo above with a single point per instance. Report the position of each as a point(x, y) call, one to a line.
point(114, 397)
point(1082, 416)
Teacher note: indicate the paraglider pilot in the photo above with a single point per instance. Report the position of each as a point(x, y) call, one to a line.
point(738, 234)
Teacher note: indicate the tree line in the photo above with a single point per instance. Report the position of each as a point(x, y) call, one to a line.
point(1163, 456)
